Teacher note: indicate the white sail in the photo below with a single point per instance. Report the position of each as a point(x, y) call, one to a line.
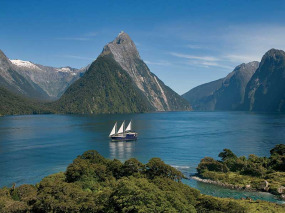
point(114, 129)
point(129, 127)
point(121, 130)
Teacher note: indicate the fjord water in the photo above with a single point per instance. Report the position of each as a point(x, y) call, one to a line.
point(34, 146)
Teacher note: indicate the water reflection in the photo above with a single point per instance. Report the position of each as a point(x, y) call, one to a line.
point(121, 150)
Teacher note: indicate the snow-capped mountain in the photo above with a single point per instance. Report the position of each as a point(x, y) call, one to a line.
point(12, 80)
point(25, 64)
point(52, 80)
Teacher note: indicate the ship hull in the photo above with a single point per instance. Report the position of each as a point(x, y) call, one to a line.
point(124, 137)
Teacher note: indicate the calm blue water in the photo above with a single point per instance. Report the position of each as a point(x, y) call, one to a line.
point(34, 146)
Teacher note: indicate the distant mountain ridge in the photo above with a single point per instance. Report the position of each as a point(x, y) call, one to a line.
point(223, 94)
point(199, 97)
point(36, 81)
point(266, 89)
point(250, 87)
point(54, 81)
point(13, 81)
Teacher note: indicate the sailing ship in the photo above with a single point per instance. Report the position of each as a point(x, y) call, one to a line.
point(123, 134)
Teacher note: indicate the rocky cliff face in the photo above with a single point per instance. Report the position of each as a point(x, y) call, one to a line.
point(34, 80)
point(125, 53)
point(13, 81)
point(54, 81)
point(231, 95)
point(266, 89)
point(223, 94)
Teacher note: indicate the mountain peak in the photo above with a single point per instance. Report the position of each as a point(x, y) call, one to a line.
point(4, 61)
point(123, 38)
point(1, 52)
point(274, 53)
point(122, 47)
point(273, 56)
point(247, 66)
point(123, 50)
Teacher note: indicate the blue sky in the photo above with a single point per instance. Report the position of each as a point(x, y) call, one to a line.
point(185, 43)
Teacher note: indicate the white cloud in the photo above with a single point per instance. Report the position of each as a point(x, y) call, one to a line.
point(159, 63)
point(207, 64)
point(206, 58)
point(242, 58)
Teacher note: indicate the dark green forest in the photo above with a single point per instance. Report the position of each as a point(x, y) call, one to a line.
point(93, 183)
point(12, 104)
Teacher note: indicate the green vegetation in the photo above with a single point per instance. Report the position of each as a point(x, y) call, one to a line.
point(104, 88)
point(12, 104)
point(258, 173)
point(95, 184)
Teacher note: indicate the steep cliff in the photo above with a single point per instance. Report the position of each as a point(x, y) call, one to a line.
point(266, 89)
point(223, 94)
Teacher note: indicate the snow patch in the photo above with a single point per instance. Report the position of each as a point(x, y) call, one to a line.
point(25, 64)
point(63, 69)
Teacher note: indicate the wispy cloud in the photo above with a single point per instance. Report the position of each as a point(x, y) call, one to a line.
point(206, 58)
point(206, 61)
point(159, 63)
point(249, 42)
point(207, 64)
point(242, 58)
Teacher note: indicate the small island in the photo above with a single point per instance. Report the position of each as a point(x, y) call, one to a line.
point(252, 173)
point(93, 183)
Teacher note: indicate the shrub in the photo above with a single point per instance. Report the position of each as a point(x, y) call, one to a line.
point(211, 164)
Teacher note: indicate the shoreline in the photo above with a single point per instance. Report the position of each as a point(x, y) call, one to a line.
point(231, 186)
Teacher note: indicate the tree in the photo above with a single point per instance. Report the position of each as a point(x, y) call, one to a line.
point(278, 149)
point(253, 169)
point(94, 157)
point(116, 167)
point(211, 164)
point(227, 154)
point(132, 166)
point(156, 167)
point(277, 158)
